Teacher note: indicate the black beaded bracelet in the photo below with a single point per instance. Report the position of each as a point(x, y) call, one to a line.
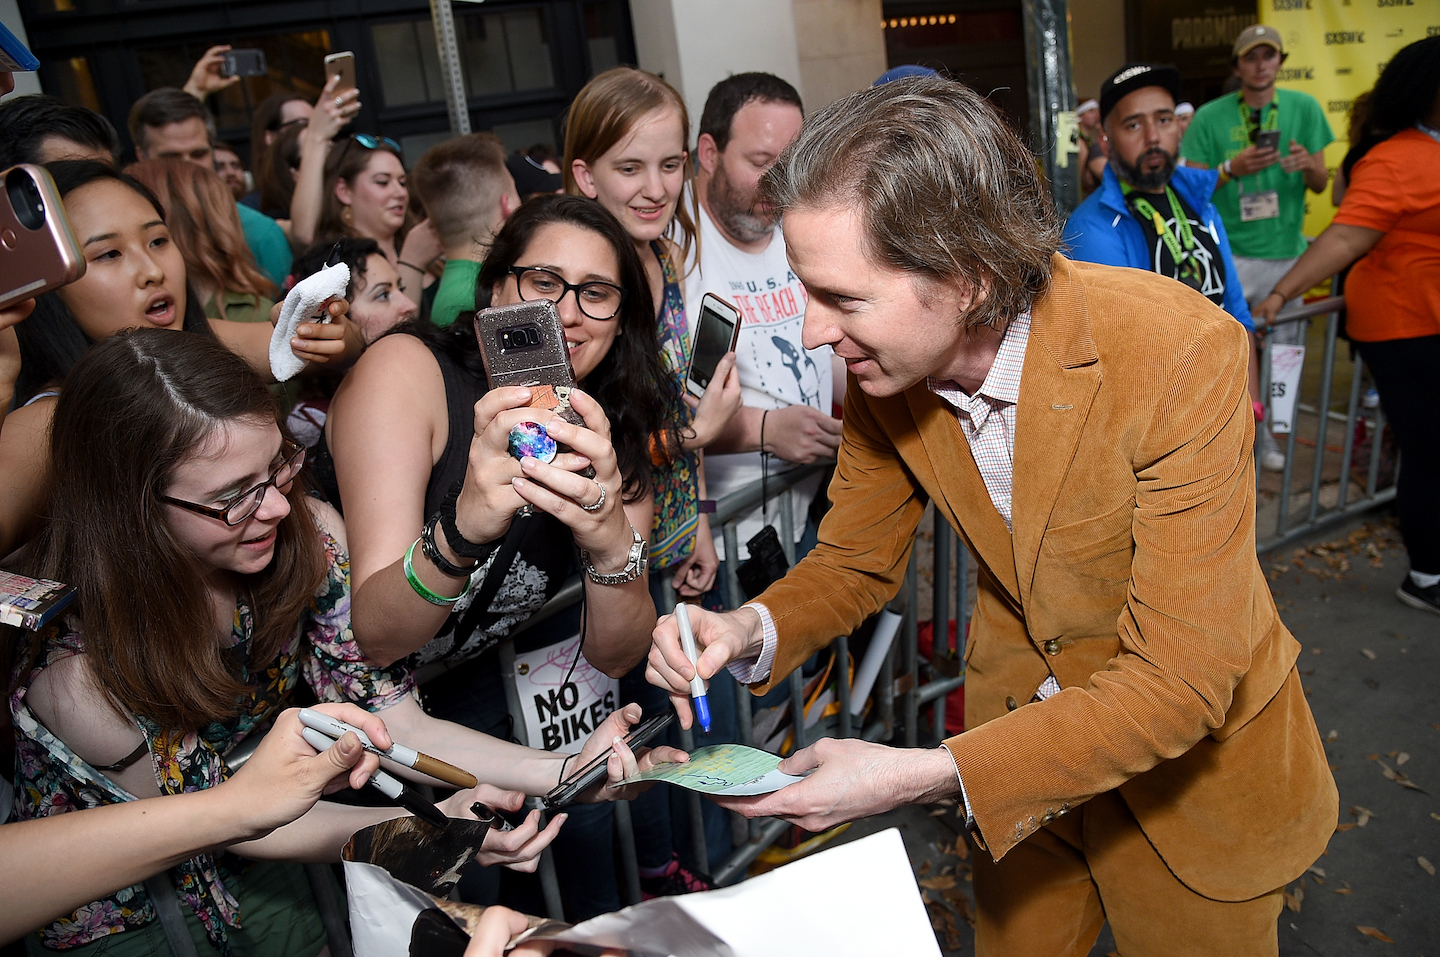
point(459, 544)
point(437, 558)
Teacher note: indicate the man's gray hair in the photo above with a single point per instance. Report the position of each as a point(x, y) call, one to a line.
point(944, 188)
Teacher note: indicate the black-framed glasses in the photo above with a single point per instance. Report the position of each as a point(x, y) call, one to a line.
point(598, 300)
point(242, 506)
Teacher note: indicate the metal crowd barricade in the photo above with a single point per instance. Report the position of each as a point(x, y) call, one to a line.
point(919, 684)
point(1291, 522)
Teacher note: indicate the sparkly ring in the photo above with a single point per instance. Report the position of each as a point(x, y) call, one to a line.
point(591, 508)
point(339, 102)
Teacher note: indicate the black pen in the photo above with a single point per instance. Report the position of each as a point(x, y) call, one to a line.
point(388, 785)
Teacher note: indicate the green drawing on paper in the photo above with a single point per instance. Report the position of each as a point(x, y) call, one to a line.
point(731, 769)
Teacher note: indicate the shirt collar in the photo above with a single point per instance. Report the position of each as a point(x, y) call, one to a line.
point(1002, 382)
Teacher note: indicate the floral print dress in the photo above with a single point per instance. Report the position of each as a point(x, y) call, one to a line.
point(51, 779)
point(676, 480)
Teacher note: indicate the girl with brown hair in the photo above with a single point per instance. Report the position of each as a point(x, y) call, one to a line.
point(206, 229)
point(625, 146)
point(208, 585)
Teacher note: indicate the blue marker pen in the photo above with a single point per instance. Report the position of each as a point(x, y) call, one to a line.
point(697, 684)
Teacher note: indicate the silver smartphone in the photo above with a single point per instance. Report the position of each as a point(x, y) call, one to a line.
point(716, 332)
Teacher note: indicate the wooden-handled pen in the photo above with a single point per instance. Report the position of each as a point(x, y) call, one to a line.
point(398, 753)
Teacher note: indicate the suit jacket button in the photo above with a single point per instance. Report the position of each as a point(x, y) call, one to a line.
point(1010, 704)
point(1053, 646)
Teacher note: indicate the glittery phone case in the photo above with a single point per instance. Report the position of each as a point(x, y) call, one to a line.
point(524, 344)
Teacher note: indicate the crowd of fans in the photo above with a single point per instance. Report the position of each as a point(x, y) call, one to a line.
point(362, 535)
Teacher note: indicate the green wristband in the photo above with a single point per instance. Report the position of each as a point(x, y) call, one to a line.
point(419, 586)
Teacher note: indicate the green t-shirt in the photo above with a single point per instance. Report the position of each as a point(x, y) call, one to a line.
point(456, 293)
point(267, 242)
point(1219, 132)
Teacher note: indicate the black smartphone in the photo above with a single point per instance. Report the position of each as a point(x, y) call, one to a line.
point(244, 63)
point(593, 773)
point(1267, 140)
point(38, 251)
point(715, 334)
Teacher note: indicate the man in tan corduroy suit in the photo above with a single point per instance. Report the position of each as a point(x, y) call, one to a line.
point(1139, 745)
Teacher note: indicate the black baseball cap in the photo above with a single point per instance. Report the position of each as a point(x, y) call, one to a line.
point(1137, 76)
point(531, 177)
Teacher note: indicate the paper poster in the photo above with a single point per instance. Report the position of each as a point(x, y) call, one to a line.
point(1286, 364)
point(724, 769)
point(560, 714)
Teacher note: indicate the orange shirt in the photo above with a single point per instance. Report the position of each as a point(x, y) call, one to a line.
point(1393, 292)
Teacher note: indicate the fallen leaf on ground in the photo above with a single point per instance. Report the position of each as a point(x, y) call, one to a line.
point(924, 868)
point(1368, 653)
point(1333, 735)
point(1293, 898)
point(1401, 758)
point(1435, 816)
point(1316, 651)
point(943, 882)
point(1344, 827)
point(962, 850)
point(1390, 774)
point(1376, 933)
point(939, 811)
point(1317, 871)
point(1362, 815)
point(1343, 890)
point(1372, 757)
point(1426, 866)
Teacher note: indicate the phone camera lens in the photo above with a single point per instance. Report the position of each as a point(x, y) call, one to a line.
point(25, 199)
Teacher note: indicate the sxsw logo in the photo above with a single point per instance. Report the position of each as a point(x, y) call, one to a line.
point(1341, 37)
point(1394, 3)
point(1338, 106)
point(1291, 4)
point(1290, 74)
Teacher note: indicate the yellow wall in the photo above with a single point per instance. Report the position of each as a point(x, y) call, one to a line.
point(1336, 51)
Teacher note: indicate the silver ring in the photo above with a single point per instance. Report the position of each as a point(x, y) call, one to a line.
point(596, 506)
point(339, 102)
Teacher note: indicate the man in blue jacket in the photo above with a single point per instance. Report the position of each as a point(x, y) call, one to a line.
point(1148, 213)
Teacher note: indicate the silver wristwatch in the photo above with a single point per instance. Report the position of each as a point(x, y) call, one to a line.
point(634, 568)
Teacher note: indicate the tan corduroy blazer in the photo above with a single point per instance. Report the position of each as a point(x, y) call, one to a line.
point(1131, 576)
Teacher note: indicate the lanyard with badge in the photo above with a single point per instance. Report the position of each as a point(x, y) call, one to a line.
point(1264, 204)
point(1181, 247)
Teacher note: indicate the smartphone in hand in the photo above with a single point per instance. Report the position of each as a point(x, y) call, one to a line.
point(244, 63)
point(343, 66)
point(38, 251)
point(593, 773)
point(524, 345)
point(715, 334)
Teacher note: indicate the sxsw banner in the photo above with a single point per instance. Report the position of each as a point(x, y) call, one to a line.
point(1337, 49)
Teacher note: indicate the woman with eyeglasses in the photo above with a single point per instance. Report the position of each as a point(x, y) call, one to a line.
point(210, 588)
point(421, 451)
point(135, 277)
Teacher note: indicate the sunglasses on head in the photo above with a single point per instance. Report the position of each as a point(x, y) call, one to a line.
point(374, 142)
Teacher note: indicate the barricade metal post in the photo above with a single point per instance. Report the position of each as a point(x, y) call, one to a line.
point(940, 616)
point(549, 883)
point(910, 699)
point(1357, 374)
point(962, 598)
point(687, 743)
point(842, 659)
point(629, 863)
point(1372, 476)
point(1322, 428)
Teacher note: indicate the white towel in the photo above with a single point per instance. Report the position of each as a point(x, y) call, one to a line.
point(303, 302)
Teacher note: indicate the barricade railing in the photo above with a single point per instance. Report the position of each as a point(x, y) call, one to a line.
point(906, 684)
point(1331, 493)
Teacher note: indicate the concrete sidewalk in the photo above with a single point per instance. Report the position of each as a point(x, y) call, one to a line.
point(1371, 668)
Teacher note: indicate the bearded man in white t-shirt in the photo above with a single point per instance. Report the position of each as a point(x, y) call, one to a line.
point(789, 391)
